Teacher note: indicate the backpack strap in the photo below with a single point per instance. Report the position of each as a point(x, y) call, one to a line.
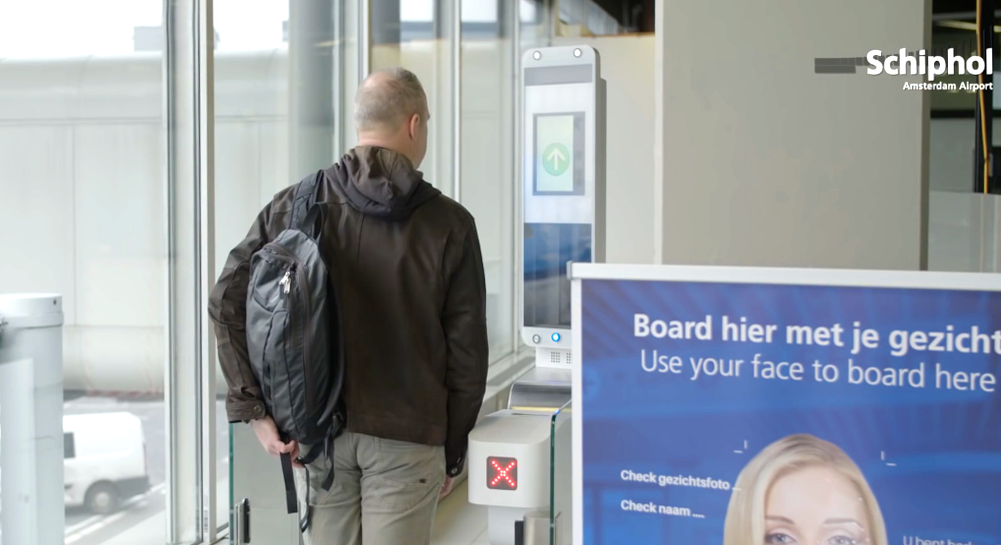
point(304, 199)
point(291, 502)
point(328, 481)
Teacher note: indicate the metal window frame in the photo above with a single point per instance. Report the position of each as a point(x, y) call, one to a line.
point(456, 71)
point(188, 72)
point(205, 77)
point(517, 229)
point(340, 129)
point(364, 39)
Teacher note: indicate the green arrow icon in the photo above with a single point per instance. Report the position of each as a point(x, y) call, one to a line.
point(556, 159)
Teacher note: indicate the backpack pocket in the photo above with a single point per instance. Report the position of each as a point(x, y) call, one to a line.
point(268, 282)
point(279, 356)
point(269, 355)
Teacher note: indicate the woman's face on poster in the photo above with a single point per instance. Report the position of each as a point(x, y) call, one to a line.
point(815, 506)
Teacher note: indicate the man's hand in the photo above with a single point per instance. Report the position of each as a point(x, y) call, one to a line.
point(446, 487)
point(267, 433)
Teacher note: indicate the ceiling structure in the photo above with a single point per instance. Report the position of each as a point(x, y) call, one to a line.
point(944, 7)
point(638, 14)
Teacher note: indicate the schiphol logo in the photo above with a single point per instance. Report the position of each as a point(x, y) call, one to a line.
point(916, 64)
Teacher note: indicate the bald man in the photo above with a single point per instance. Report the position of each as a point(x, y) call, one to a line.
point(406, 265)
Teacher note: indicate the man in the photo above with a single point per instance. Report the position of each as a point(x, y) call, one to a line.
point(406, 264)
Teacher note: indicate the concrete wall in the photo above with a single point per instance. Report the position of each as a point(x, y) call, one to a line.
point(762, 162)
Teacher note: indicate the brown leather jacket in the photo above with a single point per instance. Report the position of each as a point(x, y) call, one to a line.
point(406, 264)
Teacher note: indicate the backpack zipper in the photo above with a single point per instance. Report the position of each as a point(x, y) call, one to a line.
point(286, 283)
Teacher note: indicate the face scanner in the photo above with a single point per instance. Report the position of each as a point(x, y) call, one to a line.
point(563, 213)
point(562, 189)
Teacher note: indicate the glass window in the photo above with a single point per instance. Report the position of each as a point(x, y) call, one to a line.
point(249, 25)
point(269, 132)
point(487, 154)
point(84, 215)
point(534, 17)
point(529, 10)
point(417, 35)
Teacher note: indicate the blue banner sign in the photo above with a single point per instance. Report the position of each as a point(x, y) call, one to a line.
point(716, 413)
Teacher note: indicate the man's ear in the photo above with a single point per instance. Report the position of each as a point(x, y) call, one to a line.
point(415, 125)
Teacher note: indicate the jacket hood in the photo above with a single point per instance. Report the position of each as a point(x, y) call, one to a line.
point(382, 183)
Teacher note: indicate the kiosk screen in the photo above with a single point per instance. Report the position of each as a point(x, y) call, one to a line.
point(558, 166)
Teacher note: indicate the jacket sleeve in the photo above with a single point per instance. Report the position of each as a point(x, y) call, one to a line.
point(228, 311)
point(464, 321)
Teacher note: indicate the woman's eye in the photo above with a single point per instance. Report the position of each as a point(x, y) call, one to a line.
point(842, 540)
point(782, 539)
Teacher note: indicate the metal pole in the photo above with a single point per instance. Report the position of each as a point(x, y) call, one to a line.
point(457, 100)
point(516, 156)
point(181, 133)
point(311, 86)
point(339, 145)
point(364, 42)
point(550, 16)
point(205, 259)
point(984, 107)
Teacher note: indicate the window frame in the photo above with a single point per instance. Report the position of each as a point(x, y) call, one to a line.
point(190, 363)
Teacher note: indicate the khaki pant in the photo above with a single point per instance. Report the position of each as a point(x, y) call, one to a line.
point(384, 493)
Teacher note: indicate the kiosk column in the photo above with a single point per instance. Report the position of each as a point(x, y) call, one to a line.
point(563, 188)
point(563, 210)
point(31, 411)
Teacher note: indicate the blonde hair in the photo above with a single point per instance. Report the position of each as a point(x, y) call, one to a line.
point(745, 517)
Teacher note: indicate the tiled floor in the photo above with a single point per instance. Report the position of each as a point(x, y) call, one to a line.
point(459, 523)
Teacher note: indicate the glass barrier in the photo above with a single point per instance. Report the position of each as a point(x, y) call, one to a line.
point(231, 500)
point(257, 493)
point(560, 477)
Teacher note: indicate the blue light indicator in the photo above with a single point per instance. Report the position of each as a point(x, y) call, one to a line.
point(556, 337)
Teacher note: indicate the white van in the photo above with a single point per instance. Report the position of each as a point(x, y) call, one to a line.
point(105, 460)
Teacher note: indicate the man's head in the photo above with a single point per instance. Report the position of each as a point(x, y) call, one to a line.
point(391, 111)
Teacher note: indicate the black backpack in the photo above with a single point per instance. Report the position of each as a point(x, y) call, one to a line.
point(293, 338)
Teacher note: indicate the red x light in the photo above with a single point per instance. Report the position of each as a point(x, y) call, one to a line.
point(502, 473)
